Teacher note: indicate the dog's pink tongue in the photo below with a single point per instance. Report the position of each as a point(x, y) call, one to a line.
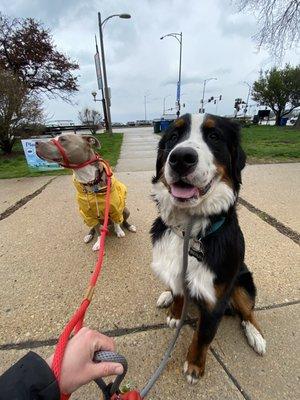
point(183, 192)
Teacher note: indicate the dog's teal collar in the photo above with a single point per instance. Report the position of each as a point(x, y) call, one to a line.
point(197, 248)
point(213, 228)
point(216, 225)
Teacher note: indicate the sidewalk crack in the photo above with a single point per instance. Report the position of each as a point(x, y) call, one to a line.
point(283, 229)
point(24, 200)
point(229, 374)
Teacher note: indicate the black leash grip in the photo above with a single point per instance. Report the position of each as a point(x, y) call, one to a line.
point(109, 356)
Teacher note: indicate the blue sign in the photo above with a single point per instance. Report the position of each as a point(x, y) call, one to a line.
point(33, 161)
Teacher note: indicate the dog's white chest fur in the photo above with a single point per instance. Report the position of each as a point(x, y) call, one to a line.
point(167, 265)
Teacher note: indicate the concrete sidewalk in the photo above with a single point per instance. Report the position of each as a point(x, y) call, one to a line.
point(45, 267)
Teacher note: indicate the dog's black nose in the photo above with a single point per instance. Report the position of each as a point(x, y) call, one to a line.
point(183, 160)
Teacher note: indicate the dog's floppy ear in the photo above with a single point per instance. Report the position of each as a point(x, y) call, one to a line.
point(92, 140)
point(238, 162)
point(238, 156)
point(159, 165)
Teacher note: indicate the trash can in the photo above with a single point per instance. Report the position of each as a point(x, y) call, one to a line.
point(255, 119)
point(156, 126)
point(283, 121)
point(165, 124)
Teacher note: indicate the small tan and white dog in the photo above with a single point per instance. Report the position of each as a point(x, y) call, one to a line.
point(90, 180)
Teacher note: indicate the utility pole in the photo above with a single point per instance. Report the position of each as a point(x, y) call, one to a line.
point(106, 91)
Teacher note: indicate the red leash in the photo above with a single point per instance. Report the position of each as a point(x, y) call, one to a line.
point(76, 322)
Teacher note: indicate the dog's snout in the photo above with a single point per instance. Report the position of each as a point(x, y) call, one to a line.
point(183, 160)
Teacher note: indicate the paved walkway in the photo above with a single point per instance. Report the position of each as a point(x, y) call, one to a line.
point(44, 267)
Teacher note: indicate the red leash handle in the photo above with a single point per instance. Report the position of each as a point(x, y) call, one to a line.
point(76, 322)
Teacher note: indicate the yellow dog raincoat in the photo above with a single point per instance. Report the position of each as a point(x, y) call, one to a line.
point(91, 205)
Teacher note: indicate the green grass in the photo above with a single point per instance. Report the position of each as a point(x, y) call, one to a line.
point(15, 166)
point(265, 144)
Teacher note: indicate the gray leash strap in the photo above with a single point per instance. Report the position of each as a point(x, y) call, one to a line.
point(109, 356)
point(171, 346)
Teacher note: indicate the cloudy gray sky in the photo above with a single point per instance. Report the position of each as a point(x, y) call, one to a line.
point(216, 43)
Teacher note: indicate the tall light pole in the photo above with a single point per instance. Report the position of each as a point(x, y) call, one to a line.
point(100, 85)
point(106, 90)
point(249, 91)
point(201, 111)
point(178, 37)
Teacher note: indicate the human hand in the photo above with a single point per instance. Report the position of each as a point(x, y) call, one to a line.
point(78, 367)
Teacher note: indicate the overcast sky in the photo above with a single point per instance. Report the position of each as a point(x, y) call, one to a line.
point(216, 43)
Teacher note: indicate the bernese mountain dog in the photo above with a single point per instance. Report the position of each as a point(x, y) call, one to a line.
point(198, 175)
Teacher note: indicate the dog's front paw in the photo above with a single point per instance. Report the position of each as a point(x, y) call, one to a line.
point(172, 322)
point(96, 246)
point(255, 338)
point(165, 299)
point(120, 233)
point(192, 372)
point(88, 238)
point(132, 228)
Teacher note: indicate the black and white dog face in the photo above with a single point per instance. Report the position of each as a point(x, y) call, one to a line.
point(199, 164)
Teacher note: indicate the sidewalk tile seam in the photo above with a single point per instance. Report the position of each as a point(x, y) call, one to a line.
point(119, 332)
point(24, 200)
point(229, 374)
point(275, 306)
point(279, 226)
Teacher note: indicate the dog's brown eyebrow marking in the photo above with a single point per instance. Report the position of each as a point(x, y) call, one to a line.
point(209, 123)
point(180, 122)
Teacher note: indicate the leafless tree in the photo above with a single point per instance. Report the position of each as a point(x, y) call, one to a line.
point(19, 109)
point(279, 23)
point(90, 118)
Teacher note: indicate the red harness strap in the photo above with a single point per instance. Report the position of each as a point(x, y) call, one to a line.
point(76, 322)
point(67, 164)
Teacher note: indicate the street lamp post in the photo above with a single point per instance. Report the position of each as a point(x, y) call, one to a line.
point(106, 90)
point(201, 111)
point(178, 37)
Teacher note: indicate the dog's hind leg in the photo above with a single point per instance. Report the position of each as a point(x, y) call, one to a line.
point(243, 300)
point(126, 224)
point(89, 236)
